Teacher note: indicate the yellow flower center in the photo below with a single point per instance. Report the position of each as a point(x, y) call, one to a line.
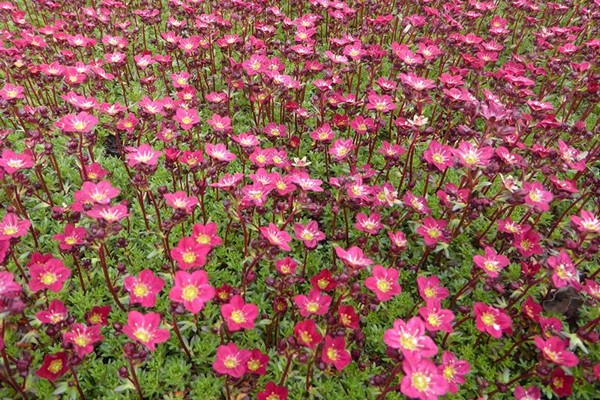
point(230, 362)
point(55, 366)
point(189, 257)
point(420, 381)
point(189, 293)
point(142, 335)
point(238, 317)
point(48, 278)
point(384, 285)
point(140, 290)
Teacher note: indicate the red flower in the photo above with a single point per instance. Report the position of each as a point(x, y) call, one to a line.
point(145, 329)
point(286, 266)
point(193, 290)
point(383, 282)
point(347, 317)
point(239, 315)
point(316, 303)
point(561, 383)
point(273, 392)
point(257, 362)
point(99, 315)
point(555, 350)
point(83, 338)
point(54, 366)
point(143, 289)
point(334, 352)
point(528, 243)
point(324, 280)
point(231, 360)
point(307, 334)
point(491, 320)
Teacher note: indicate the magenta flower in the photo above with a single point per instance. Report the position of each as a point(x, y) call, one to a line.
point(206, 235)
point(13, 162)
point(144, 328)
point(316, 303)
point(96, 193)
point(453, 371)
point(491, 263)
point(309, 234)
point(186, 118)
point(83, 338)
point(71, 236)
point(144, 288)
point(143, 154)
point(353, 257)
point(334, 352)
point(383, 282)
point(109, 214)
point(565, 272)
point(471, 157)
point(77, 123)
point(536, 196)
point(56, 313)
point(54, 366)
point(491, 320)
point(239, 315)
point(11, 92)
point(231, 360)
point(276, 237)
point(368, 224)
point(192, 290)
point(8, 285)
point(556, 350)
point(435, 317)
point(181, 201)
point(432, 231)
point(586, 222)
point(430, 289)
point(307, 334)
point(422, 380)
point(382, 104)
point(439, 155)
point(11, 227)
point(189, 253)
point(50, 274)
point(219, 152)
point(410, 338)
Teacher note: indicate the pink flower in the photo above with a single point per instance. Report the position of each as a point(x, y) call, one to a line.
point(565, 272)
point(50, 274)
point(189, 253)
point(491, 263)
point(353, 257)
point(309, 234)
point(181, 201)
point(422, 380)
point(219, 152)
point(56, 313)
point(537, 197)
point(276, 237)
point(307, 334)
point(419, 204)
point(382, 104)
point(13, 162)
point(556, 350)
point(71, 236)
point(410, 338)
point(231, 360)
point(8, 285)
point(144, 328)
point(341, 148)
point(430, 289)
point(436, 318)
point(143, 154)
point(528, 243)
point(383, 282)
point(11, 227)
point(83, 338)
point(186, 118)
point(305, 182)
point(586, 222)
point(239, 315)
point(257, 362)
point(206, 235)
point(531, 393)
point(432, 231)
point(369, 224)
point(96, 193)
point(11, 92)
point(109, 214)
point(491, 320)
point(334, 352)
point(192, 290)
point(439, 155)
point(471, 157)
point(143, 289)
point(453, 371)
point(316, 303)
point(80, 123)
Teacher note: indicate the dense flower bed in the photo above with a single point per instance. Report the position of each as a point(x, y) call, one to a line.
point(302, 199)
